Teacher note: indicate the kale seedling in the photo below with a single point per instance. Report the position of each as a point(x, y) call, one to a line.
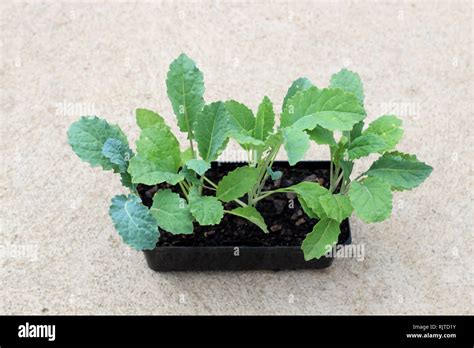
point(332, 116)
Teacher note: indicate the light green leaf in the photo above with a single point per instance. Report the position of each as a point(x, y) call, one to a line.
point(186, 155)
point(246, 140)
point(158, 157)
point(321, 239)
point(336, 206)
point(147, 118)
point(237, 183)
point(158, 144)
point(211, 131)
point(241, 117)
point(199, 166)
point(251, 214)
point(207, 210)
point(298, 85)
point(185, 86)
point(388, 127)
point(172, 212)
point(366, 144)
point(332, 109)
point(87, 137)
point(322, 136)
point(274, 140)
point(371, 199)
point(118, 154)
point(308, 211)
point(296, 144)
point(150, 172)
point(265, 119)
point(133, 221)
point(310, 192)
point(403, 173)
point(350, 82)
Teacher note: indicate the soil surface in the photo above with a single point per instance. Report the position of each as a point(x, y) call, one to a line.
point(286, 220)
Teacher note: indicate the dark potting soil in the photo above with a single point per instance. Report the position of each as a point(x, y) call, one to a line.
point(286, 220)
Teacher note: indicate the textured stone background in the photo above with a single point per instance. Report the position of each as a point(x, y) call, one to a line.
point(61, 60)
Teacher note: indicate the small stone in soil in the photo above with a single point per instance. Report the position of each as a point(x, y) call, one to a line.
point(279, 205)
point(209, 233)
point(290, 195)
point(300, 221)
point(275, 228)
point(277, 183)
point(311, 177)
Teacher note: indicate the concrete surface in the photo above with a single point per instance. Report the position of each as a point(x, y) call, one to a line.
point(61, 60)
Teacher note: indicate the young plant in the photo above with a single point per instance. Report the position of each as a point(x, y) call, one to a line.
point(330, 116)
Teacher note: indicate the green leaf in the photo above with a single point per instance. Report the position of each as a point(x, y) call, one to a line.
point(211, 131)
point(371, 199)
point(172, 212)
point(350, 82)
point(247, 141)
point(308, 211)
point(332, 109)
point(190, 175)
point(237, 183)
point(147, 118)
point(126, 180)
point(158, 157)
point(310, 192)
point(366, 144)
point(388, 127)
point(346, 167)
point(322, 136)
point(199, 166)
point(356, 130)
point(298, 85)
point(265, 119)
point(241, 117)
point(118, 154)
point(149, 172)
point(87, 137)
point(207, 210)
point(296, 144)
point(251, 214)
point(403, 173)
point(185, 86)
point(321, 239)
point(186, 155)
point(159, 145)
point(133, 222)
point(336, 206)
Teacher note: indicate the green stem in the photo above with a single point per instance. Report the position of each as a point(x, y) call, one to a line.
point(265, 194)
point(209, 181)
point(192, 147)
point(183, 189)
point(333, 187)
point(239, 202)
